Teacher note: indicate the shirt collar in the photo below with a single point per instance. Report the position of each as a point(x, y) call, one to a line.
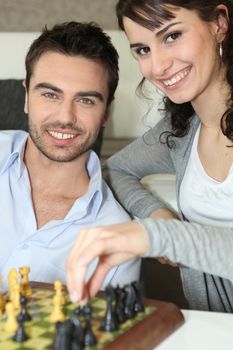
point(13, 146)
point(92, 199)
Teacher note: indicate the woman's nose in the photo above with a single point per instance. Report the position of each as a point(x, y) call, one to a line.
point(161, 62)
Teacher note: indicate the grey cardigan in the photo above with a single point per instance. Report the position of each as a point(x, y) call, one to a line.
point(205, 252)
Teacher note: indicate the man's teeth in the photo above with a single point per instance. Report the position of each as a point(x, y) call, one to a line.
point(176, 78)
point(60, 135)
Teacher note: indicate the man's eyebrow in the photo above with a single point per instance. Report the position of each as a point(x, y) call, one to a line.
point(47, 86)
point(158, 34)
point(95, 94)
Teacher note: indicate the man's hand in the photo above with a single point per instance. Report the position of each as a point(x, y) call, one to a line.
point(113, 245)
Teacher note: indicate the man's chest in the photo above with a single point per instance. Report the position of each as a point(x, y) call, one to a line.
point(49, 207)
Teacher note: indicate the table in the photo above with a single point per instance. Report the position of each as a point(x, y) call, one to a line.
point(202, 331)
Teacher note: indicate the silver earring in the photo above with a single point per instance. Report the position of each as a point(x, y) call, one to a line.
point(220, 50)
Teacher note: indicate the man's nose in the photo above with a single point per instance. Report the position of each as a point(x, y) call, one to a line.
point(67, 111)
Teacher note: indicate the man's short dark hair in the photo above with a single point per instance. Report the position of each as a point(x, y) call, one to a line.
point(76, 39)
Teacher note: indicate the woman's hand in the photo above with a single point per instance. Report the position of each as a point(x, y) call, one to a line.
point(113, 245)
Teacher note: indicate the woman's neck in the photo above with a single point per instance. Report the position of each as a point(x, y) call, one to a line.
point(211, 105)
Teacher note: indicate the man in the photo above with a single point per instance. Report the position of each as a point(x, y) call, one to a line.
point(50, 181)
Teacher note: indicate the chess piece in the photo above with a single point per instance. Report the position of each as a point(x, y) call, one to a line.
point(62, 340)
point(16, 296)
point(119, 305)
point(89, 338)
point(25, 286)
point(138, 306)
point(58, 291)
point(78, 312)
point(20, 335)
point(57, 314)
point(109, 323)
point(12, 280)
point(77, 333)
point(2, 301)
point(11, 324)
point(129, 301)
point(23, 316)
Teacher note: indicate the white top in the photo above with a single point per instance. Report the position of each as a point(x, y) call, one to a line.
point(203, 199)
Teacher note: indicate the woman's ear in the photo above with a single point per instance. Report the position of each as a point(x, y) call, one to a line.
point(222, 22)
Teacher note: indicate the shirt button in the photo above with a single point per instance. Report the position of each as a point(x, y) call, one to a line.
point(25, 246)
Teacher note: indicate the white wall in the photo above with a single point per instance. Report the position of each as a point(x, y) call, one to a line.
point(127, 111)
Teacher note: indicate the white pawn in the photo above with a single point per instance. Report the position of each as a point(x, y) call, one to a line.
point(57, 314)
point(16, 297)
point(58, 291)
point(11, 324)
point(2, 300)
point(12, 280)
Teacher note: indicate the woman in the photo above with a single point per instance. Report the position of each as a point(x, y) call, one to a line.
point(185, 49)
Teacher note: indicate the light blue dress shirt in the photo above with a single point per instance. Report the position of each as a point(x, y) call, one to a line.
point(45, 250)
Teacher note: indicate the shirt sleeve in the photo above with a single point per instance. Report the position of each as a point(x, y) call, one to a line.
point(145, 156)
point(200, 247)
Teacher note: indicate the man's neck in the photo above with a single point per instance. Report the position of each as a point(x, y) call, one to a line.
point(54, 186)
point(62, 178)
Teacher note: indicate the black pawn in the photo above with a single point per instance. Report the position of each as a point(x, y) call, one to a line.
point(78, 312)
point(89, 338)
point(23, 316)
point(138, 307)
point(109, 323)
point(62, 340)
point(77, 336)
point(56, 337)
point(119, 305)
point(20, 335)
point(129, 301)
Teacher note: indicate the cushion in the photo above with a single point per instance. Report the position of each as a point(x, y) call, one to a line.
point(12, 116)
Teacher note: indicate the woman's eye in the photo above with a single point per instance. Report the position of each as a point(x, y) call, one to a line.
point(141, 51)
point(173, 36)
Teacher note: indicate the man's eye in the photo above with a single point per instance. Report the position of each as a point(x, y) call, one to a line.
point(86, 101)
point(141, 51)
point(50, 95)
point(173, 37)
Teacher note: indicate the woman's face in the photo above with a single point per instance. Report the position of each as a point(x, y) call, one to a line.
point(181, 58)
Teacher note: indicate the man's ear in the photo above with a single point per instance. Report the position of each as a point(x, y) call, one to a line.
point(26, 97)
point(106, 116)
point(222, 22)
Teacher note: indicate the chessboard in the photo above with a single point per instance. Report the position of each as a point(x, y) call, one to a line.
point(142, 332)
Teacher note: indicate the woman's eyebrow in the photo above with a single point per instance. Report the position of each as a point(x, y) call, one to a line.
point(157, 34)
point(165, 29)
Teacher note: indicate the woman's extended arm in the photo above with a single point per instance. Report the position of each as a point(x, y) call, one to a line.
point(201, 247)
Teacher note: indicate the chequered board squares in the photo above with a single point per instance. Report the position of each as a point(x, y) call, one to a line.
point(41, 331)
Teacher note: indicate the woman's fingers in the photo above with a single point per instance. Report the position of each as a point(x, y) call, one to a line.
point(112, 244)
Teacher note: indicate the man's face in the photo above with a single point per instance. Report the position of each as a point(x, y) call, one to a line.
point(66, 104)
